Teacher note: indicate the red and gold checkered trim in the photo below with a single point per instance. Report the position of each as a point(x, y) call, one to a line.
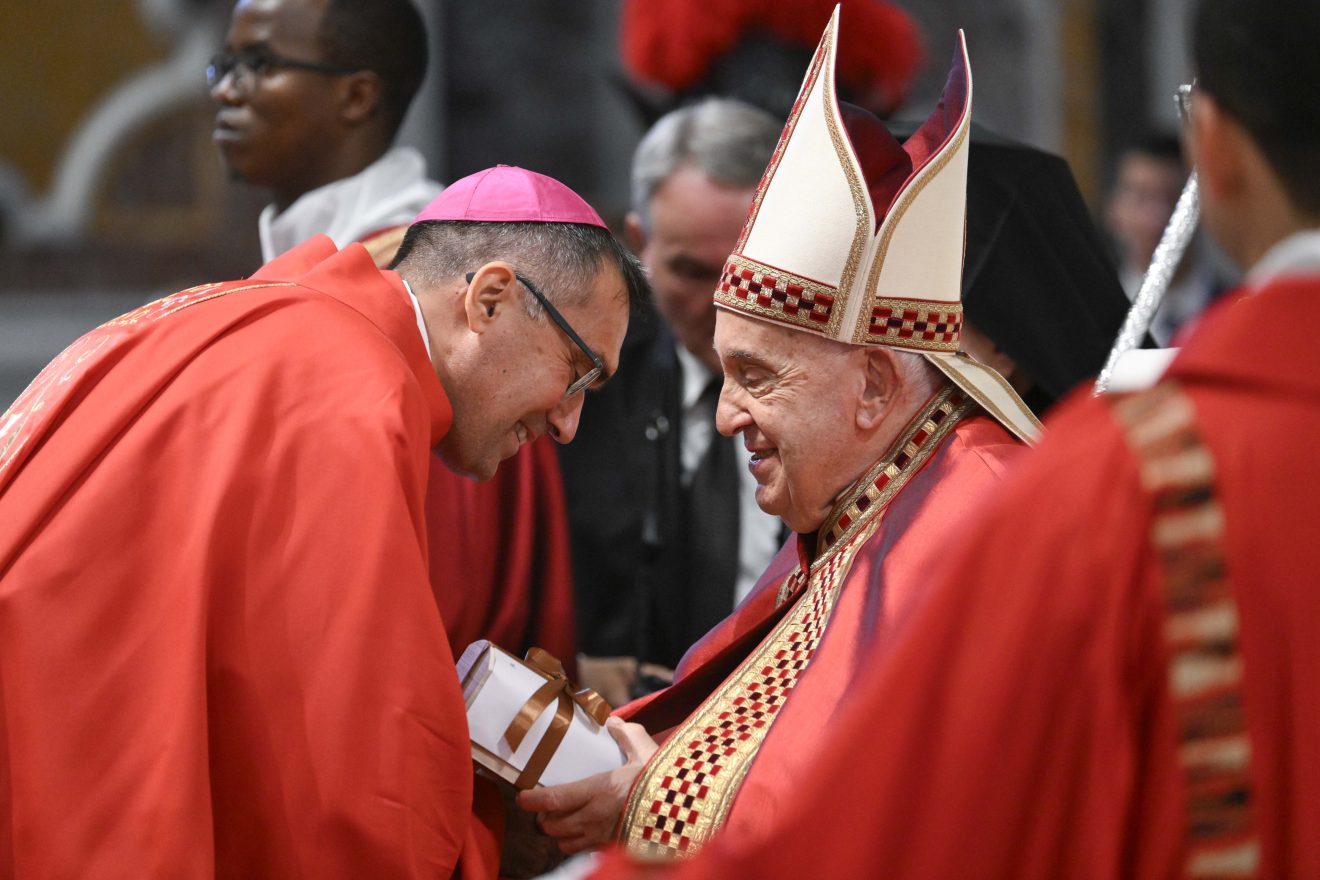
point(1201, 630)
point(767, 292)
point(915, 323)
point(912, 449)
point(685, 792)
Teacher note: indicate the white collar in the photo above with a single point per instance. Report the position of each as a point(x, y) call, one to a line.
point(388, 192)
point(696, 375)
point(417, 310)
point(1298, 254)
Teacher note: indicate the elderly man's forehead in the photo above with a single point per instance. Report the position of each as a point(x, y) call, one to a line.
point(742, 337)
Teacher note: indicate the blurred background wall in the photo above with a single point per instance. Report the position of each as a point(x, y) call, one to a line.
point(111, 193)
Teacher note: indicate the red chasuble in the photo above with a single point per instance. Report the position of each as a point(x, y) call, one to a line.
point(500, 560)
point(219, 651)
point(1028, 723)
point(752, 700)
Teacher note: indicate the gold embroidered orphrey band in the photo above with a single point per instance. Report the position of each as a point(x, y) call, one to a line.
point(1201, 631)
point(685, 792)
point(16, 423)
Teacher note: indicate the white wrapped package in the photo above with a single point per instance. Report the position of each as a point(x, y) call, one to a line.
point(496, 686)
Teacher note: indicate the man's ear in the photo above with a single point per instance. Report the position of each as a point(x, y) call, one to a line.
point(879, 381)
point(633, 232)
point(360, 96)
point(489, 295)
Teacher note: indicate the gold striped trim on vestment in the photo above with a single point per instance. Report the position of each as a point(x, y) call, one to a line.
point(68, 364)
point(1201, 631)
point(913, 447)
point(686, 790)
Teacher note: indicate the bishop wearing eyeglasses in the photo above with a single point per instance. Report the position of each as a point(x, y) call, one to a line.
point(220, 654)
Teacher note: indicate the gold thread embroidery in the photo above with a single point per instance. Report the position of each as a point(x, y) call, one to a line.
point(983, 400)
point(881, 483)
point(69, 363)
point(685, 792)
point(725, 295)
point(895, 216)
point(862, 207)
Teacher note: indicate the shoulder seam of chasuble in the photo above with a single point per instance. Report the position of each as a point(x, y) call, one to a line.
point(686, 790)
point(1205, 672)
point(16, 424)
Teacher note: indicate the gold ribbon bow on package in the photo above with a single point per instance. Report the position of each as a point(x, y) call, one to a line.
point(557, 688)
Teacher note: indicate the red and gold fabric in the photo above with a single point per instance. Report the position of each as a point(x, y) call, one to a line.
point(1063, 701)
point(752, 700)
point(858, 238)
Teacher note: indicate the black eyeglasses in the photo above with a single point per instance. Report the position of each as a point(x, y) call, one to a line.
point(259, 62)
point(584, 381)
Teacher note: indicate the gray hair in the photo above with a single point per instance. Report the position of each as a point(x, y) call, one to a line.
point(561, 259)
point(918, 373)
point(729, 140)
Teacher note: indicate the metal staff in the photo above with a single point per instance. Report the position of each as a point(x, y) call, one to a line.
point(1169, 253)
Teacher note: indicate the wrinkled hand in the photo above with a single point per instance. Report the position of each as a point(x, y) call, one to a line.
point(581, 815)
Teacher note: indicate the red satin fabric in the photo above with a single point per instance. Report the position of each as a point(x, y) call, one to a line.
point(1020, 727)
point(884, 577)
point(219, 651)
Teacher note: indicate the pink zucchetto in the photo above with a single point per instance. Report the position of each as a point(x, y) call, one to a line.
point(505, 194)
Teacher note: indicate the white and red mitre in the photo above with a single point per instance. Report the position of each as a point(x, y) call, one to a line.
point(858, 238)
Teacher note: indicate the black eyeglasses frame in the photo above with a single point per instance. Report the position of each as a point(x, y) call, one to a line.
point(597, 365)
point(259, 63)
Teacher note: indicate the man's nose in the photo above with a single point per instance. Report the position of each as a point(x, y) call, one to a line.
point(563, 419)
point(730, 416)
point(226, 91)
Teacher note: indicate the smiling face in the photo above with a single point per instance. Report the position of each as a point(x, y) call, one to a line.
point(794, 398)
point(694, 226)
point(276, 130)
point(507, 382)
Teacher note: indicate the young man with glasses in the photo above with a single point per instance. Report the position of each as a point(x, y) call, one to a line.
point(220, 652)
point(310, 95)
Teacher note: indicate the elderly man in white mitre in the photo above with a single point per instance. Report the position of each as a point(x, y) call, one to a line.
point(867, 431)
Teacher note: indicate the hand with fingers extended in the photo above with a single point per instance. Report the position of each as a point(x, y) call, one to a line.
point(582, 815)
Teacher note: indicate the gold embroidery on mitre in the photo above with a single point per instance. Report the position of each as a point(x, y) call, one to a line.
point(686, 790)
point(769, 292)
point(861, 201)
point(895, 215)
point(928, 325)
point(862, 208)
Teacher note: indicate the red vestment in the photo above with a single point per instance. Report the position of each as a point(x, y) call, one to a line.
point(500, 561)
point(828, 654)
point(219, 650)
point(1021, 725)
